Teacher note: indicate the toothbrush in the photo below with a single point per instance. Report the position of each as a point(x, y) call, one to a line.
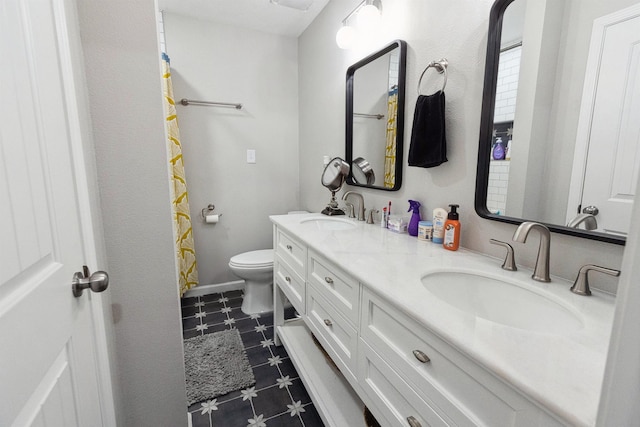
point(388, 213)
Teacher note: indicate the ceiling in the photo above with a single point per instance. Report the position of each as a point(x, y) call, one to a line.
point(260, 15)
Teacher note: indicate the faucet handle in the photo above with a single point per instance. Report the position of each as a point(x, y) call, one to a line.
point(510, 259)
point(581, 284)
point(370, 216)
point(350, 210)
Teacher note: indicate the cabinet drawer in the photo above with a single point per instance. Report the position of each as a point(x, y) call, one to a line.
point(335, 285)
point(292, 252)
point(392, 396)
point(335, 333)
point(291, 284)
point(444, 379)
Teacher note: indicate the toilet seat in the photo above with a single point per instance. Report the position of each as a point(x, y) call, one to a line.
point(253, 259)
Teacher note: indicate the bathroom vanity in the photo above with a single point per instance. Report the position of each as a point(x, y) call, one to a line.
point(427, 337)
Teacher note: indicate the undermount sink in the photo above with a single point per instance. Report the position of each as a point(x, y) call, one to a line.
point(328, 223)
point(501, 301)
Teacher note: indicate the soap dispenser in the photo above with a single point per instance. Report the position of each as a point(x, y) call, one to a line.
point(452, 230)
point(415, 217)
point(498, 150)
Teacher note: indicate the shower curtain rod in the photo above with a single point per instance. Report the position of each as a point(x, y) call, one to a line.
point(185, 101)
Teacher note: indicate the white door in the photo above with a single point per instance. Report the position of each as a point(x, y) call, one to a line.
point(48, 357)
point(610, 120)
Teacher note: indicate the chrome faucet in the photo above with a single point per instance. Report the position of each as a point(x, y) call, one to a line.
point(541, 271)
point(360, 203)
point(589, 221)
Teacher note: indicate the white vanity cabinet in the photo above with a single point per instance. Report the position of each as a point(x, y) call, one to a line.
point(445, 381)
point(398, 367)
point(324, 308)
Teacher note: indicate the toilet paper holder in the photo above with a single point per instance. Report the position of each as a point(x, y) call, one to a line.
point(208, 210)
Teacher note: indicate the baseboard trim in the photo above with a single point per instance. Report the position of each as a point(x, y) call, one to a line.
point(201, 290)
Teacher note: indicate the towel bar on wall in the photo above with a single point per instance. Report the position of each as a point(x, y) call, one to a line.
point(185, 101)
point(369, 116)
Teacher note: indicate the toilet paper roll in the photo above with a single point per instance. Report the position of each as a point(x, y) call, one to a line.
point(212, 219)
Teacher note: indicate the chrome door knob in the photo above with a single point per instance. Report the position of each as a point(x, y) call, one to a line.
point(97, 282)
point(591, 210)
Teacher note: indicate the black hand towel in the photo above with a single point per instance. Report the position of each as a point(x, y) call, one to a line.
point(428, 141)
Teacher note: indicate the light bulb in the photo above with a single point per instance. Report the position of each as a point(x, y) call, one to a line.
point(345, 37)
point(368, 17)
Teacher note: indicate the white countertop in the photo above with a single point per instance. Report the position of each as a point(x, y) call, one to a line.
point(562, 372)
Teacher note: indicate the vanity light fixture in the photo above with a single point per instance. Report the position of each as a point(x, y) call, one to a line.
point(303, 5)
point(368, 14)
point(346, 36)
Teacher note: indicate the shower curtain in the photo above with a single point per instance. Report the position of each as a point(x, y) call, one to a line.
point(185, 250)
point(390, 146)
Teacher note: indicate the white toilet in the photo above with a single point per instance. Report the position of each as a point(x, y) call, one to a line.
point(256, 268)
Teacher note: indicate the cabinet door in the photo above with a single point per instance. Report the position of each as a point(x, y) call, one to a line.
point(393, 397)
point(335, 285)
point(451, 383)
point(290, 283)
point(335, 333)
point(291, 251)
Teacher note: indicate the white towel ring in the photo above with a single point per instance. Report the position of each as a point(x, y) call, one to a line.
point(441, 67)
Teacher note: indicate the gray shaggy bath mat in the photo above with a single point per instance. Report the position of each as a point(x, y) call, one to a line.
point(216, 364)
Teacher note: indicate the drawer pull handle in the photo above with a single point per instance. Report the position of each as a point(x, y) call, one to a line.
point(288, 279)
point(289, 247)
point(413, 422)
point(329, 280)
point(328, 322)
point(421, 356)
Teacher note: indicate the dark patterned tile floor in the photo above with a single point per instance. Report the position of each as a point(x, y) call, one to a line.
point(278, 399)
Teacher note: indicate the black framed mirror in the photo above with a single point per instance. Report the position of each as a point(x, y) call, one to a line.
point(375, 118)
point(542, 97)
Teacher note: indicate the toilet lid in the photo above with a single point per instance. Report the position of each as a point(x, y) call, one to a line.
point(261, 258)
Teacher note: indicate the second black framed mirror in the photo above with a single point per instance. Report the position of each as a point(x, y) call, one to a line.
point(375, 96)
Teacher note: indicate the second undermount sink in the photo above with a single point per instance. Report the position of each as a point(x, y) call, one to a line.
point(502, 301)
point(328, 223)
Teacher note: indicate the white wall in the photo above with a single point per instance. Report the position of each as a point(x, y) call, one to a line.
point(370, 96)
point(123, 76)
point(215, 62)
point(422, 23)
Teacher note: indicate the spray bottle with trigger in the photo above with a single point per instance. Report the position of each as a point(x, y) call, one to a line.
point(415, 217)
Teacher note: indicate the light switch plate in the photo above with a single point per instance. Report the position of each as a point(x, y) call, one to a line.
point(251, 156)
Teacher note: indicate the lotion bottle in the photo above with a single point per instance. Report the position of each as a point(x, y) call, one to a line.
point(439, 217)
point(452, 230)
